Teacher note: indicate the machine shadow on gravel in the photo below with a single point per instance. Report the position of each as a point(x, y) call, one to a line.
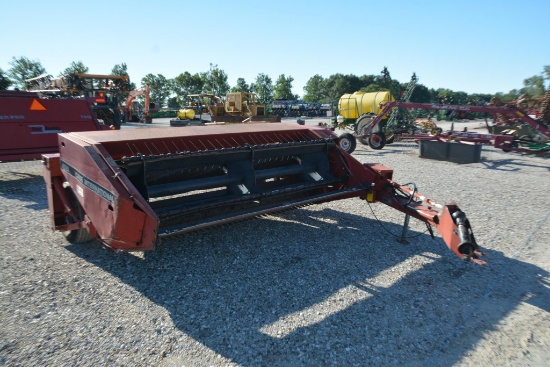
point(318, 287)
point(511, 164)
point(24, 186)
point(390, 150)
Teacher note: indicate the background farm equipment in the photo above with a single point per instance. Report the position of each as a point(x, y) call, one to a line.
point(29, 124)
point(134, 111)
point(536, 143)
point(107, 92)
point(128, 189)
point(199, 110)
point(357, 110)
point(294, 108)
point(353, 106)
point(235, 108)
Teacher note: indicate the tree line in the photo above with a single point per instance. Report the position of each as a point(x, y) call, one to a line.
point(163, 90)
point(173, 92)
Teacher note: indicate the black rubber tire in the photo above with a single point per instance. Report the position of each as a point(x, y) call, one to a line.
point(507, 145)
point(80, 235)
point(525, 141)
point(361, 123)
point(377, 140)
point(347, 142)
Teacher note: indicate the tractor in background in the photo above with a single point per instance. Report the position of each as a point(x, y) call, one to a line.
point(107, 91)
point(135, 111)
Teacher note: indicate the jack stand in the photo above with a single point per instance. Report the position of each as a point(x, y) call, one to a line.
point(405, 230)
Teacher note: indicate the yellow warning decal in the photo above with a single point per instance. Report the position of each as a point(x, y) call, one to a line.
point(37, 106)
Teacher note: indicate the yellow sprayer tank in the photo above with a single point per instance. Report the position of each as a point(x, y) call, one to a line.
point(351, 106)
point(186, 114)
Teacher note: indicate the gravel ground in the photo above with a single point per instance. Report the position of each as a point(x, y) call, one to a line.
point(326, 285)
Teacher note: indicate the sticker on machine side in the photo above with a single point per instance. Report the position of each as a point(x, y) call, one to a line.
point(12, 117)
point(41, 129)
point(94, 186)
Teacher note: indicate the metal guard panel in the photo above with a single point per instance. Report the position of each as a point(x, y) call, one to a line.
point(108, 200)
point(132, 135)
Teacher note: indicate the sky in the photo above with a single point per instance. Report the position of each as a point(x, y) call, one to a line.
point(471, 46)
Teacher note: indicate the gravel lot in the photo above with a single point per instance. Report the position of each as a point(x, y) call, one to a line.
point(326, 285)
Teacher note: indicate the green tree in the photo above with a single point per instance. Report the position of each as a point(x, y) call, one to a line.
point(22, 69)
point(546, 74)
point(314, 91)
point(445, 96)
point(433, 95)
point(173, 103)
point(337, 85)
point(160, 87)
point(387, 83)
point(76, 67)
point(449, 96)
point(373, 88)
point(185, 84)
point(479, 99)
point(460, 98)
point(533, 87)
point(283, 88)
point(354, 82)
point(510, 96)
point(241, 86)
point(263, 87)
point(367, 80)
point(421, 94)
point(4, 81)
point(122, 70)
point(215, 81)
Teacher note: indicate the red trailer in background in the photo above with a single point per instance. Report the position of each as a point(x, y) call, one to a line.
point(29, 124)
